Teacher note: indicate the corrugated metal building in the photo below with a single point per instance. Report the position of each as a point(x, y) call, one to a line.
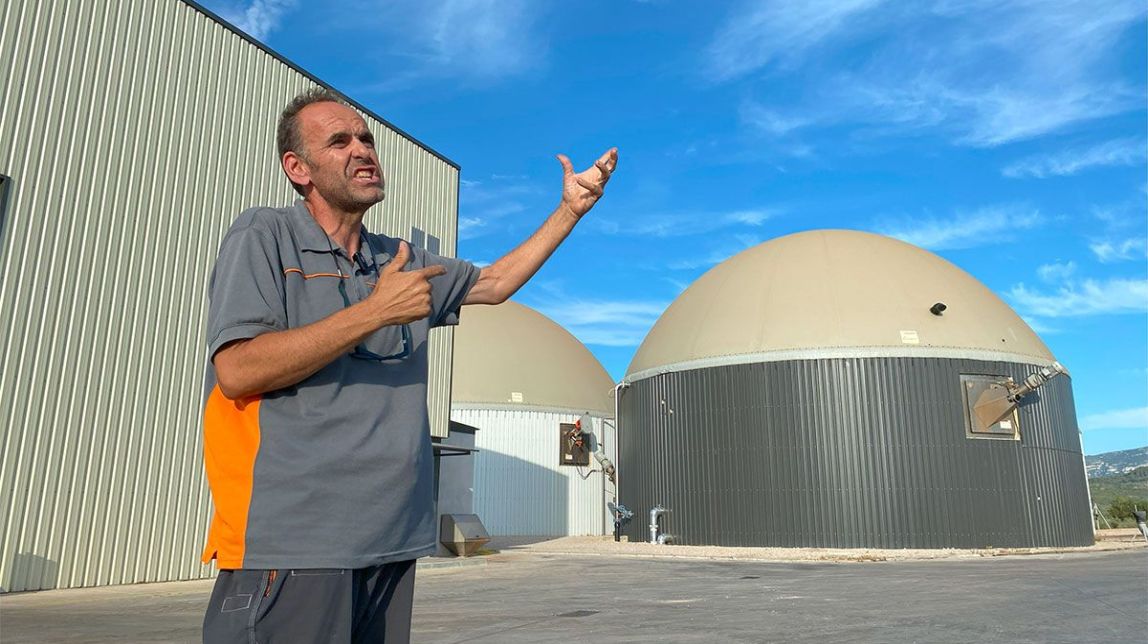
point(807, 392)
point(517, 377)
point(131, 135)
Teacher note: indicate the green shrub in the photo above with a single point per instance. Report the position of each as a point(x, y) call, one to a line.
point(1120, 510)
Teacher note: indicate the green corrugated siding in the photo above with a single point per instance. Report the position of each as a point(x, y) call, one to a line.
point(134, 133)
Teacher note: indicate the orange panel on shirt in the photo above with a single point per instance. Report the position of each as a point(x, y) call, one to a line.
point(230, 444)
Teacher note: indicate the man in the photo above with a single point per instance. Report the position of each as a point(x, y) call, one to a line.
point(315, 428)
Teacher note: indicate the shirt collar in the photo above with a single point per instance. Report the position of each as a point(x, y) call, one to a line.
point(312, 237)
point(307, 231)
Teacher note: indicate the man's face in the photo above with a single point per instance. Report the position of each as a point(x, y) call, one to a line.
point(339, 153)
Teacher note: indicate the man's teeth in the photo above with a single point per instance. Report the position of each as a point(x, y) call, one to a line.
point(362, 173)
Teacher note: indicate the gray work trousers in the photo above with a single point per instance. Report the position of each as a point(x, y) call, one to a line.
point(312, 605)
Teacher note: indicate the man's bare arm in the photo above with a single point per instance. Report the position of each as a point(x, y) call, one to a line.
point(279, 359)
point(497, 282)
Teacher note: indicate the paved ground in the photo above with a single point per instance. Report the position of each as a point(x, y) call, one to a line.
point(528, 596)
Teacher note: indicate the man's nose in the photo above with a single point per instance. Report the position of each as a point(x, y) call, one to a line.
point(360, 150)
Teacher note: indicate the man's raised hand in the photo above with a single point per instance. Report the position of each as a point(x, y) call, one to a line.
point(404, 296)
point(582, 190)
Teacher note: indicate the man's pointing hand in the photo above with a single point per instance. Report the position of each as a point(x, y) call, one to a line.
point(404, 296)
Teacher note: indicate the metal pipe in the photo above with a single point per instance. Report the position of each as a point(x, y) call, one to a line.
point(655, 512)
point(617, 439)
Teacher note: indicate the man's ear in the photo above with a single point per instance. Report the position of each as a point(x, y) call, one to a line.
point(296, 169)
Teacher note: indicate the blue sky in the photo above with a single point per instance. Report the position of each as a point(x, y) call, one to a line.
point(1008, 137)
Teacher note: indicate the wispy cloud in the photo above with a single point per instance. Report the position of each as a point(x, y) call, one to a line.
point(1039, 326)
point(476, 41)
point(760, 33)
point(1121, 152)
point(770, 121)
point(599, 321)
point(1135, 418)
point(983, 73)
point(981, 227)
point(717, 255)
point(1056, 272)
point(261, 17)
point(1108, 251)
point(683, 224)
point(1086, 297)
point(484, 204)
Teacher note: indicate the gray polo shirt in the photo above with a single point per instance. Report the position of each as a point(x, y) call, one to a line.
point(336, 471)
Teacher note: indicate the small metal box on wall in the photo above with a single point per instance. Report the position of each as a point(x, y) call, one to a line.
point(573, 445)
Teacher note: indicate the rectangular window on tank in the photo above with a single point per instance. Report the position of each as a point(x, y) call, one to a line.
point(988, 411)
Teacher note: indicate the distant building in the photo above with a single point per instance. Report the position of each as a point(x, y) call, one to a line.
point(518, 378)
point(820, 390)
point(131, 135)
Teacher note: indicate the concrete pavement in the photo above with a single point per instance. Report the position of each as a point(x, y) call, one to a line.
point(539, 597)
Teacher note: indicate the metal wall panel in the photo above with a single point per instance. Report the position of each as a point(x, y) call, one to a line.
point(134, 133)
point(519, 488)
point(849, 453)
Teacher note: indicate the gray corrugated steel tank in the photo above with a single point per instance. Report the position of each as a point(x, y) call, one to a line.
point(803, 394)
point(134, 133)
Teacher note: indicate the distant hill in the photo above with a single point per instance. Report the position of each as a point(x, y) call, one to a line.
point(1114, 463)
point(1134, 484)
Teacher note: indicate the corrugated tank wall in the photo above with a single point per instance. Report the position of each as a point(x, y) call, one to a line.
point(849, 453)
point(519, 488)
point(134, 133)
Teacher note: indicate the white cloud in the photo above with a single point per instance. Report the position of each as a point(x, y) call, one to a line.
point(683, 224)
point(261, 17)
point(489, 37)
point(483, 204)
point(983, 73)
point(770, 121)
point(760, 33)
point(1087, 297)
point(1110, 153)
point(1004, 115)
point(469, 227)
point(1136, 418)
point(1039, 326)
point(1108, 251)
point(718, 255)
point(981, 227)
point(1056, 272)
point(477, 41)
point(604, 322)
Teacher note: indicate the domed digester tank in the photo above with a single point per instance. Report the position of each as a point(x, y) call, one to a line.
point(843, 389)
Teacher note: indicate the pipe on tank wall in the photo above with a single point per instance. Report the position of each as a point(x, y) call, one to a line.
point(656, 512)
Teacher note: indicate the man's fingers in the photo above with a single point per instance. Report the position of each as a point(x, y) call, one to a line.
point(608, 159)
point(602, 168)
point(399, 261)
point(433, 270)
point(592, 187)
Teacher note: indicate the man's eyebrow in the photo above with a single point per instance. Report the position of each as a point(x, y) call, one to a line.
point(338, 136)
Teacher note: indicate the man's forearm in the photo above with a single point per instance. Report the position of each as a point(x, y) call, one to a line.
point(503, 278)
point(280, 359)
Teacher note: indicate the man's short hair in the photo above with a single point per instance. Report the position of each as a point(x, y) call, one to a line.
point(287, 136)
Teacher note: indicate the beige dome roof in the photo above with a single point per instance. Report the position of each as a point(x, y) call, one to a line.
point(511, 356)
point(833, 293)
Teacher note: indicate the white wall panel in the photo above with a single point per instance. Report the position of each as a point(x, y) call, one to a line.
point(134, 133)
point(519, 487)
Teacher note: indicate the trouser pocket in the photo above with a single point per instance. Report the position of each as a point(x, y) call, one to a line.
point(235, 604)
